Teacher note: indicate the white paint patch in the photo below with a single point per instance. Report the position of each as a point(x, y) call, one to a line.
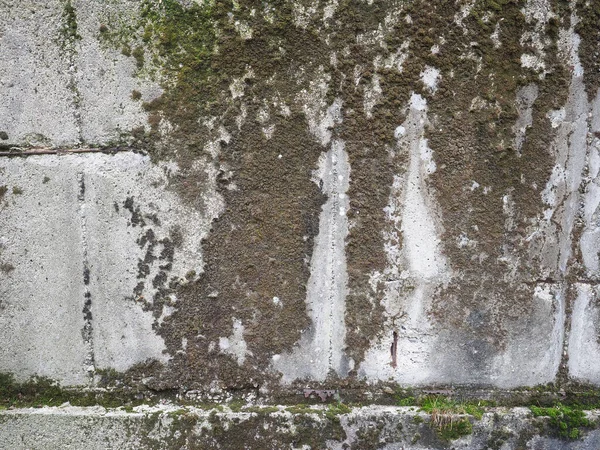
point(235, 345)
point(320, 349)
point(415, 268)
point(430, 77)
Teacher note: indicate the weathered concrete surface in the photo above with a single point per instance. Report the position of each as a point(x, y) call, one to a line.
point(321, 348)
point(351, 192)
point(37, 104)
point(62, 84)
point(42, 280)
point(89, 241)
point(583, 339)
point(191, 428)
point(412, 214)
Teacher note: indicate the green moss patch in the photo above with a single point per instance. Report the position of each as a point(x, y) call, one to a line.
point(565, 421)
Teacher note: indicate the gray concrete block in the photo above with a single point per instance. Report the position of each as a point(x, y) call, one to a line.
point(584, 346)
point(42, 296)
point(36, 86)
point(77, 299)
point(105, 77)
point(171, 426)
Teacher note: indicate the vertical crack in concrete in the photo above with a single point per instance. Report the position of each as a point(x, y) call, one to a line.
point(572, 197)
point(321, 347)
point(69, 38)
point(563, 194)
point(87, 331)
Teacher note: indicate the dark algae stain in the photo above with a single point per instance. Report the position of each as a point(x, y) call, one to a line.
point(588, 13)
point(256, 252)
point(261, 244)
point(472, 115)
point(224, 87)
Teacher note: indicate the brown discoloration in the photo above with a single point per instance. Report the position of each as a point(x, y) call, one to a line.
point(368, 143)
point(588, 13)
point(259, 248)
point(477, 146)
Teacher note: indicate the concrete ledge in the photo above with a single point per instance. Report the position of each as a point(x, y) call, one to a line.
point(276, 427)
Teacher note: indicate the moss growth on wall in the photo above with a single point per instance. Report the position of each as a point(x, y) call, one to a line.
point(260, 247)
point(42, 391)
point(565, 422)
point(69, 29)
point(588, 13)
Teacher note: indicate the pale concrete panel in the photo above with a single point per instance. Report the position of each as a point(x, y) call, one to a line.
point(123, 332)
point(41, 286)
point(584, 343)
point(36, 90)
point(105, 77)
point(75, 235)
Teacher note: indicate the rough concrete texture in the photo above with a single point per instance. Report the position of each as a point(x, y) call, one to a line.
point(215, 200)
point(61, 83)
point(314, 194)
point(321, 348)
point(90, 240)
point(274, 428)
point(168, 426)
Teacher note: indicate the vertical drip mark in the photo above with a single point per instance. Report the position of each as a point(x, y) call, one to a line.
point(567, 299)
point(394, 350)
point(320, 350)
point(87, 331)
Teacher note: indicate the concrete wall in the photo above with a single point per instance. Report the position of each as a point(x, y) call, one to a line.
point(374, 192)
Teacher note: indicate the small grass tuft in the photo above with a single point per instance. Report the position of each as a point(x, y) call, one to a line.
point(447, 416)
